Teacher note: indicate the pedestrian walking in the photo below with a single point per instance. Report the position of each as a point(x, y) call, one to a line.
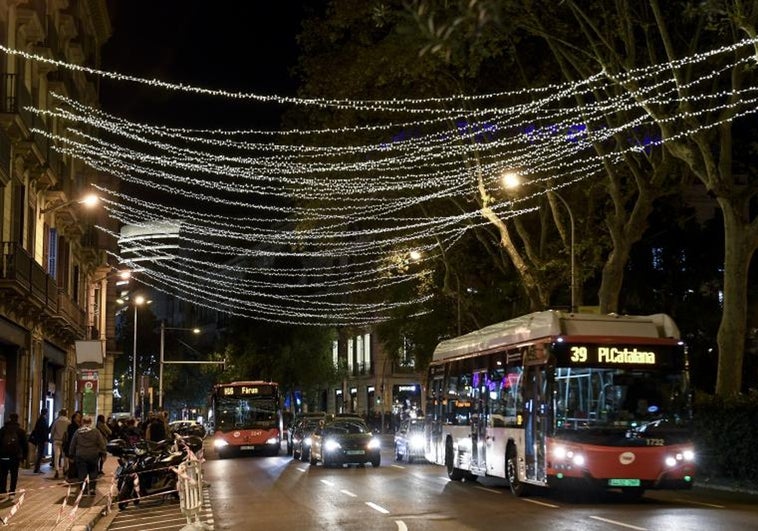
point(76, 423)
point(156, 429)
point(58, 435)
point(87, 446)
point(106, 431)
point(13, 449)
point(39, 438)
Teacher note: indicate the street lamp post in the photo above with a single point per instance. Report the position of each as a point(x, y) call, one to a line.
point(162, 361)
point(513, 180)
point(89, 201)
point(139, 300)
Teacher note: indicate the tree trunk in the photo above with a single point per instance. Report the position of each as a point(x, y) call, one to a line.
point(612, 280)
point(738, 250)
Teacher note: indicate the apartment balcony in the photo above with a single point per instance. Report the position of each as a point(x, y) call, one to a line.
point(30, 291)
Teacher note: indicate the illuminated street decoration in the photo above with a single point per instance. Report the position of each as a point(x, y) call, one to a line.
point(357, 204)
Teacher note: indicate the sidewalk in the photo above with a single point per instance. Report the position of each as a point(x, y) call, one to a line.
point(44, 497)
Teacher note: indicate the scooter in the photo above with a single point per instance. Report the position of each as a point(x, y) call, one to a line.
point(152, 463)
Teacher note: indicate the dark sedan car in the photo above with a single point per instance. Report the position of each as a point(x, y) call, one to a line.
point(296, 422)
point(345, 441)
point(301, 438)
point(409, 440)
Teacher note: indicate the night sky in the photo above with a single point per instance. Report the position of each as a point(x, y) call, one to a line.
point(246, 46)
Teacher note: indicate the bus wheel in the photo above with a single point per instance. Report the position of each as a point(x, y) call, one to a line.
point(511, 471)
point(456, 474)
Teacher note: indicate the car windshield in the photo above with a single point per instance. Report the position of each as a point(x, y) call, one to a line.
point(589, 398)
point(308, 425)
point(245, 413)
point(343, 427)
point(416, 425)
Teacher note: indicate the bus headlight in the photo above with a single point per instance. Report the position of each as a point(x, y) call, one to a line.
point(670, 461)
point(689, 455)
point(220, 443)
point(330, 445)
point(578, 460)
point(272, 440)
point(417, 441)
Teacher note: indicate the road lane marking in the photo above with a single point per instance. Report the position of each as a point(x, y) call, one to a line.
point(327, 482)
point(541, 503)
point(401, 525)
point(700, 503)
point(377, 508)
point(489, 490)
point(343, 491)
point(301, 469)
point(398, 466)
point(622, 524)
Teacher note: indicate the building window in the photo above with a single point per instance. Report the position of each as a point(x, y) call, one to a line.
point(657, 261)
point(405, 356)
point(350, 354)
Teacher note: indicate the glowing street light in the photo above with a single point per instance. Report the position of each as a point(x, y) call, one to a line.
point(89, 201)
point(512, 180)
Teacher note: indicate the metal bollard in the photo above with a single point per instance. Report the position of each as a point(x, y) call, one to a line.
point(190, 487)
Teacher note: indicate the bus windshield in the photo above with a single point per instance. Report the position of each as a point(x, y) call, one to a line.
point(635, 399)
point(245, 413)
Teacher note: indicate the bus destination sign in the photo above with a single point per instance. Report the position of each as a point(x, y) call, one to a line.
point(610, 355)
point(246, 390)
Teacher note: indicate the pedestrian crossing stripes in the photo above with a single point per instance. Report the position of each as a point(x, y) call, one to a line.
point(159, 515)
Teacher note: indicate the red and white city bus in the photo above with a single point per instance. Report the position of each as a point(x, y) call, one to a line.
point(556, 399)
point(247, 416)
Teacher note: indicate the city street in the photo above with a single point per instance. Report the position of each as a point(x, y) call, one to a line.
point(282, 493)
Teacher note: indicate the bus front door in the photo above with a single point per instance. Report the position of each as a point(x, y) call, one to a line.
point(479, 426)
point(536, 407)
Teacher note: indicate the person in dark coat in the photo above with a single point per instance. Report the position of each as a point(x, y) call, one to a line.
point(76, 423)
point(13, 449)
point(39, 438)
point(87, 447)
point(156, 429)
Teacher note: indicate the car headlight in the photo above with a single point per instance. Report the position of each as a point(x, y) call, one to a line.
point(417, 441)
point(374, 444)
point(330, 445)
point(220, 443)
point(273, 440)
point(307, 441)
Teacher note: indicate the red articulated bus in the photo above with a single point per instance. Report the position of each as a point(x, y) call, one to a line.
point(554, 399)
point(247, 416)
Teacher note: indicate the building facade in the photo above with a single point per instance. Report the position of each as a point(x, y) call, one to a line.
point(380, 386)
point(55, 280)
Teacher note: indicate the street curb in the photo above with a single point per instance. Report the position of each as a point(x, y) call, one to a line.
point(91, 517)
point(726, 488)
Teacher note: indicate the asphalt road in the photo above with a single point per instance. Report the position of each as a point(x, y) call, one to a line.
point(282, 493)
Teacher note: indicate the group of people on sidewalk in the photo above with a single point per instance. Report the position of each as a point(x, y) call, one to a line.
point(79, 448)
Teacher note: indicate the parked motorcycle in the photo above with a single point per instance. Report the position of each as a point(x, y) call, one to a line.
point(152, 463)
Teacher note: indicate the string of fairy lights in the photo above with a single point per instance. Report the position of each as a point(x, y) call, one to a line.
point(318, 226)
